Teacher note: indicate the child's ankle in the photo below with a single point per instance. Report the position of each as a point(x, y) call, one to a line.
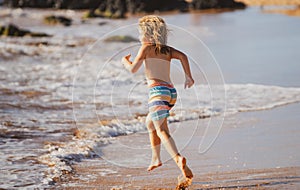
point(177, 157)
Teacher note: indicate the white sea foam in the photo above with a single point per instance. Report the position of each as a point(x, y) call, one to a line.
point(110, 93)
point(240, 97)
point(255, 97)
point(47, 81)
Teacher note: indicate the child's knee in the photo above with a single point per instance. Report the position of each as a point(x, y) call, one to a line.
point(162, 133)
point(150, 126)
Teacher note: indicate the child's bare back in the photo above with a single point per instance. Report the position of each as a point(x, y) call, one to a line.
point(157, 65)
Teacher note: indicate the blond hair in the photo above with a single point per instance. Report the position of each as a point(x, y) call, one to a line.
point(154, 29)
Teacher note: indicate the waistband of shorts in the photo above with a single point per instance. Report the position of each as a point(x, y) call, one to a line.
point(153, 83)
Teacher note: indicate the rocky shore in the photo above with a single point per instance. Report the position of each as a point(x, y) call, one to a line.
point(15, 31)
point(119, 8)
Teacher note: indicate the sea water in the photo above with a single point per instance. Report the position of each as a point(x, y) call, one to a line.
point(63, 96)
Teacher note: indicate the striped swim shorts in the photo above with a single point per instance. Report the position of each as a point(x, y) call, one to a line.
point(162, 97)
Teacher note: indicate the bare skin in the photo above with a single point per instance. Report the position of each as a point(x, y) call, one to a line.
point(147, 52)
point(154, 165)
point(155, 144)
point(158, 130)
point(186, 171)
point(162, 131)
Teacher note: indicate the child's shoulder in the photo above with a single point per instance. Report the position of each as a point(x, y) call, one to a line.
point(145, 47)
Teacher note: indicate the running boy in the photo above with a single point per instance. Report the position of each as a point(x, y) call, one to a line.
point(157, 56)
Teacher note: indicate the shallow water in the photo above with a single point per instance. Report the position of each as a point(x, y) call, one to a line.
point(73, 83)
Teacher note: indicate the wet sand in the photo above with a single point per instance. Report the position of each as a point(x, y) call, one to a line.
point(254, 150)
point(289, 12)
point(270, 2)
point(287, 7)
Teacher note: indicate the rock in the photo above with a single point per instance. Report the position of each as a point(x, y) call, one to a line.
point(119, 8)
point(124, 39)
point(60, 4)
point(210, 4)
point(203, 4)
point(156, 5)
point(102, 23)
point(12, 30)
point(108, 9)
point(30, 3)
point(77, 4)
point(57, 20)
point(104, 14)
point(230, 4)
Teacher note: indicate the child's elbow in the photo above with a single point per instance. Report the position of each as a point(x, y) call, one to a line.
point(183, 57)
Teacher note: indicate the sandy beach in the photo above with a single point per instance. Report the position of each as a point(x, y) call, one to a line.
point(69, 120)
point(255, 150)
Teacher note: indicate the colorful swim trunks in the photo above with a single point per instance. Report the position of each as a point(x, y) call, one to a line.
point(162, 97)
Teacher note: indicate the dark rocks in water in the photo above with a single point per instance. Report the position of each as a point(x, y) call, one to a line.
point(136, 6)
point(105, 14)
point(12, 30)
point(124, 39)
point(108, 9)
point(76, 4)
point(210, 4)
point(231, 4)
point(29, 3)
point(203, 4)
point(57, 20)
point(118, 8)
point(60, 4)
point(102, 23)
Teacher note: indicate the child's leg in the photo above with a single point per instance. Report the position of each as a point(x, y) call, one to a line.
point(162, 131)
point(155, 144)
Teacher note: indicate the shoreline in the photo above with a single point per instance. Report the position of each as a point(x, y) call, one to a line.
point(269, 2)
point(270, 178)
point(38, 77)
point(277, 6)
point(227, 164)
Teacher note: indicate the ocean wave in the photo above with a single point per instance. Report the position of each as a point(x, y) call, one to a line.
point(256, 97)
point(106, 100)
point(11, 48)
point(238, 98)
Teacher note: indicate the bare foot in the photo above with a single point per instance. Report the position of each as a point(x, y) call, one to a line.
point(186, 171)
point(183, 182)
point(153, 166)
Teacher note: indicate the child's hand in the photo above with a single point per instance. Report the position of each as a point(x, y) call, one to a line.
point(188, 82)
point(126, 58)
point(126, 62)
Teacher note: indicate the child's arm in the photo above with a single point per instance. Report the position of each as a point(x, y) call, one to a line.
point(176, 54)
point(136, 64)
